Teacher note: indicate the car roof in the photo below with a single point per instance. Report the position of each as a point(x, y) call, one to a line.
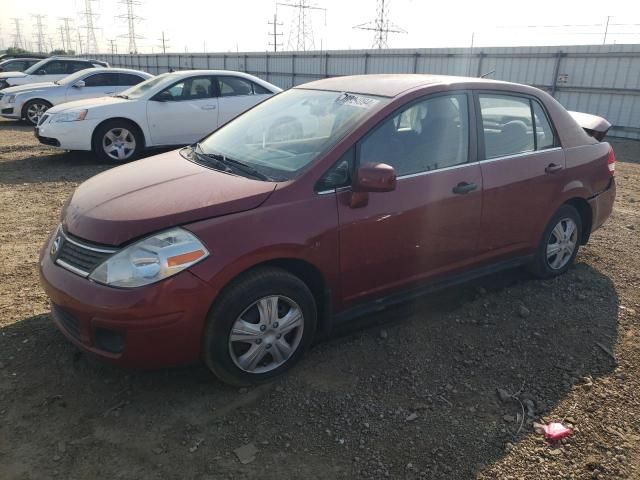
point(114, 70)
point(393, 84)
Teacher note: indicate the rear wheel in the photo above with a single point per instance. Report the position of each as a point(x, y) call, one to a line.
point(559, 245)
point(260, 327)
point(33, 111)
point(117, 141)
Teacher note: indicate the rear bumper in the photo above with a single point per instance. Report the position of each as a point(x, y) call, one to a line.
point(155, 326)
point(602, 205)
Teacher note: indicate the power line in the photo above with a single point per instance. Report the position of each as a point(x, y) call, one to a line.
point(164, 43)
point(92, 43)
point(131, 18)
point(382, 26)
point(18, 41)
point(39, 33)
point(275, 33)
point(301, 34)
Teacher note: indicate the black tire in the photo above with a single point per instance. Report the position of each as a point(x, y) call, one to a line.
point(28, 117)
point(541, 266)
point(132, 133)
point(236, 299)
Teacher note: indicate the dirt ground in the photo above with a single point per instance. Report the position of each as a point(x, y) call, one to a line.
point(407, 393)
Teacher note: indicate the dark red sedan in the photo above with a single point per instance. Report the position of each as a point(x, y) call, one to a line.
point(324, 201)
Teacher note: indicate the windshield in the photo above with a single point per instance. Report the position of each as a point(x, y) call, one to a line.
point(283, 135)
point(140, 89)
point(74, 77)
point(36, 66)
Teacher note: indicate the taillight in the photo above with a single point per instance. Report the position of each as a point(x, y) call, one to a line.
point(611, 162)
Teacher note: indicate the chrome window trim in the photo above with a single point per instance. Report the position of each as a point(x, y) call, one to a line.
point(326, 192)
point(427, 172)
point(82, 245)
point(522, 154)
point(71, 268)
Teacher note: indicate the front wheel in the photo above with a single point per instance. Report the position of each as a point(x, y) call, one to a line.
point(33, 111)
point(117, 141)
point(260, 327)
point(559, 245)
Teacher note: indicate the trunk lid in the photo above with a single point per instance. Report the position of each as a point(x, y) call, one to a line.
point(595, 126)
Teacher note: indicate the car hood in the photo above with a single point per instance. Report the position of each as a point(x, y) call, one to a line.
point(158, 192)
point(12, 75)
point(29, 87)
point(87, 103)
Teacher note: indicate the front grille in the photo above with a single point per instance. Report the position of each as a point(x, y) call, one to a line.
point(7, 111)
point(79, 257)
point(54, 142)
point(70, 323)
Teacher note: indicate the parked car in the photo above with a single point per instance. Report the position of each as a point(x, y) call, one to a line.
point(7, 56)
point(171, 109)
point(48, 70)
point(29, 102)
point(240, 248)
point(17, 64)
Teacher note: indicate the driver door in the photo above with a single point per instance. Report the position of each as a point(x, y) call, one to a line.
point(184, 112)
point(52, 71)
point(95, 85)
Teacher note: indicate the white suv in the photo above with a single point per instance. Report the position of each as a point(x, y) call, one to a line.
point(48, 70)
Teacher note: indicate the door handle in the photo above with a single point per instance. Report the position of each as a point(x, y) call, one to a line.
point(208, 107)
point(463, 188)
point(552, 168)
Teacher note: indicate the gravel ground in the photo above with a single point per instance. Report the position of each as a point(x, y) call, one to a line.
point(407, 393)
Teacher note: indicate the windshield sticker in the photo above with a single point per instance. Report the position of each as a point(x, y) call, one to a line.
point(356, 100)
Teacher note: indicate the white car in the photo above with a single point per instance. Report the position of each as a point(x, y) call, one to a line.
point(48, 70)
point(29, 102)
point(175, 108)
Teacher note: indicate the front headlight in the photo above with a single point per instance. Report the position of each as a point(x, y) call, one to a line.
point(11, 98)
point(151, 260)
point(69, 116)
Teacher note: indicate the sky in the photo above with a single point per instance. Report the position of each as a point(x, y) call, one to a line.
point(241, 25)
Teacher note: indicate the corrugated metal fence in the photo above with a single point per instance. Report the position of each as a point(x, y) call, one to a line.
point(599, 79)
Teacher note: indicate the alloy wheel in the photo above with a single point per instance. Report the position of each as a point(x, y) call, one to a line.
point(266, 334)
point(35, 112)
point(562, 243)
point(119, 144)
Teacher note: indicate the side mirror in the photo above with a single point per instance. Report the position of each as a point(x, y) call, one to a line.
point(79, 84)
point(371, 177)
point(163, 97)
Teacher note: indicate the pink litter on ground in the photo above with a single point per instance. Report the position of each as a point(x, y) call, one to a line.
point(556, 431)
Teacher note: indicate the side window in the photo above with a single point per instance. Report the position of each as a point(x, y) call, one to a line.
point(339, 175)
point(73, 67)
point(428, 135)
point(55, 67)
point(544, 132)
point(507, 125)
point(128, 79)
point(259, 89)
point(231, 86)
point(191, 89)
point(100, 80)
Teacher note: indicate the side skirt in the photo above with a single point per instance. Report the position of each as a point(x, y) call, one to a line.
point(383, 303)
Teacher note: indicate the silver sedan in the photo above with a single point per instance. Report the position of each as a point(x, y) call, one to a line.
point(29, 102)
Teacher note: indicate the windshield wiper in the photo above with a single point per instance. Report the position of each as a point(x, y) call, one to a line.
point(126, 97)
point(243, 167)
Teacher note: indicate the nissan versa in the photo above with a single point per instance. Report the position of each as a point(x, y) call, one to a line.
point(326, 200)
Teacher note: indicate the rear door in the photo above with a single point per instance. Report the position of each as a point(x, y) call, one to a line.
point(190, 112)
point(428, 225)
point(237, 95)
point(523, 169)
